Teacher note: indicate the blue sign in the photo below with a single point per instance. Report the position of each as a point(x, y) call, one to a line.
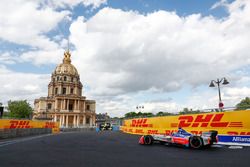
point(234, 139)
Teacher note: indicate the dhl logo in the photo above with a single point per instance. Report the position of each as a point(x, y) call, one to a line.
point(153, 131)
point(140, 131)
point(140, 123)
point(202, 120)
point(50, 125)
point(19, 124)
point(199, 132)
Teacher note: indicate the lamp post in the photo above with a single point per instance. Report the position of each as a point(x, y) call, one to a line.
point(139, 107)
point(224, 81)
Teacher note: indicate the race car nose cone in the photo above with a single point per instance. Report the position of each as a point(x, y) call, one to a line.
point(141, 140)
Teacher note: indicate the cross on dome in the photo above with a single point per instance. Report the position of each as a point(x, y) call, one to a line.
point(66, 59)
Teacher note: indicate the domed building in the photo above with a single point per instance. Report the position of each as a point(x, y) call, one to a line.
point(65, 103)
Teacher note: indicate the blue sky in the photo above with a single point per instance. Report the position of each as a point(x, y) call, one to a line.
point(158, 53)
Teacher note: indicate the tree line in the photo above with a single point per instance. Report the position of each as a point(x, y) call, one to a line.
point(161, 113)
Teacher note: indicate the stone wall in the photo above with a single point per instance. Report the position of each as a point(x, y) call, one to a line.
point(78, 129)
point(13, 133)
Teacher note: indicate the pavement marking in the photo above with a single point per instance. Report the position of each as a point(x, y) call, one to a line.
point(217, 145)
point(235, 147)
point(5, 143)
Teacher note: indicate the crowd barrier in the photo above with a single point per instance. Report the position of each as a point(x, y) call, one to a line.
point(28, 124)
point(232, 126)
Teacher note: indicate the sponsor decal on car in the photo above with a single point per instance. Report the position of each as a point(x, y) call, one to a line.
point(240, 139)
point(234, 139)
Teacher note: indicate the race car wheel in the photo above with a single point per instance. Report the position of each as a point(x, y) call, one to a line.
point(195, 142)
point(148, 139)
point(213, 136)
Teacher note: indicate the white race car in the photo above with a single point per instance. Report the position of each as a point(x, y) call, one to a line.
point(182, 137)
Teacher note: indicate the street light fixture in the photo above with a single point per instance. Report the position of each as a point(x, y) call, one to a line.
point(140, 108)
point(224, 81)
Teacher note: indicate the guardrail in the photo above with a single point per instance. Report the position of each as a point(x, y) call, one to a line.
point(230, 123)
point(14, 128)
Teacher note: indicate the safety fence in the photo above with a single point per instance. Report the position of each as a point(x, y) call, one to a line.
point(10, 128)
point(229, 124)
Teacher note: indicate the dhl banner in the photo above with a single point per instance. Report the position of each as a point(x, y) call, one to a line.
point(228, 123)
point(19, 124)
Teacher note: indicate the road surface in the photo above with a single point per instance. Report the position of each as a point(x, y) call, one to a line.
point(111, 149)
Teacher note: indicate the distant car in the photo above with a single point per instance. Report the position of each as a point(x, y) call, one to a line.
point(182, 137)
point(105, 126)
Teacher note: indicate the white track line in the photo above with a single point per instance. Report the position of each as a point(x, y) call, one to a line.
point(233, 144)
point(5, 143)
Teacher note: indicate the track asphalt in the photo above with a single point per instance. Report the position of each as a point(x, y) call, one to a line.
point(112, 149)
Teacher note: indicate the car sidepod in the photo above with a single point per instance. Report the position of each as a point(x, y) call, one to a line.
point(181, 140)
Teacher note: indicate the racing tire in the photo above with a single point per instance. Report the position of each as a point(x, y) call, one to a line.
point(148, 140)
point(213, 136)
point(195, 142)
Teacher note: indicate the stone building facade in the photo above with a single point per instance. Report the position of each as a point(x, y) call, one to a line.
point(65, 103)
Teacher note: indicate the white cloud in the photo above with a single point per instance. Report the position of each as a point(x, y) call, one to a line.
point(167, 106)
point(8, 58)
point(221, 3)
point(19, 86)
point(23, 22)
point(237, 93)
point(26, 22)
point(43, 56)
point(118, 52)
point(160, 50)
point(72, 3)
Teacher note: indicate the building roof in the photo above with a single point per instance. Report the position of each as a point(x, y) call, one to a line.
point(66, 67)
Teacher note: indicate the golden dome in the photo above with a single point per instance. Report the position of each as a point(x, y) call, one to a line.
point(66, 67)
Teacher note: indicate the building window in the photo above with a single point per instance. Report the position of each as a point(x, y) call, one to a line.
point(49, 106)
point(64, 91)
point(65, 78)
point(56, 91)
point(87, 120)
point(57, 78)
point(71, 90)
point(70, 107)
point(88, 107)
point(72, 79)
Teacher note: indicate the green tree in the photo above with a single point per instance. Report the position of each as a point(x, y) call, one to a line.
point(189, 111)
point(139, 114)
point(19, 109)
point(160, 113)
point(164, 113)
point(184, 111)
point(244, 104)
point(147, 114)
point(130, 114)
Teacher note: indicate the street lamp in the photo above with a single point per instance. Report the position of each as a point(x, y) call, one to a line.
point(139, 107)
point(224, 81)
